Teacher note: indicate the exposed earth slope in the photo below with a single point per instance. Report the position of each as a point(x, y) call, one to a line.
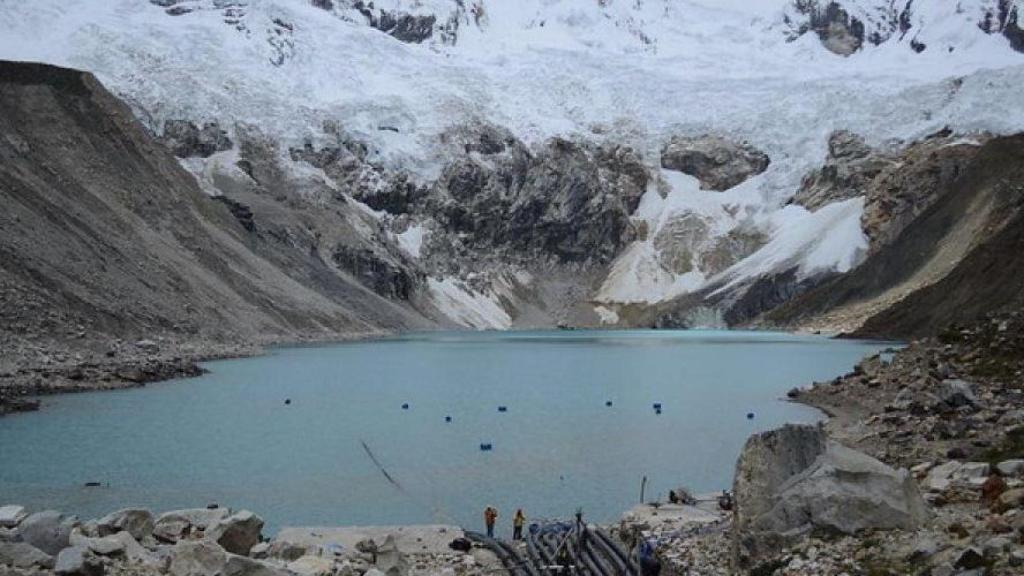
point(105, 239)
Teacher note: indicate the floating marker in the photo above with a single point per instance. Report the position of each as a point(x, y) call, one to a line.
point(405, 406)
point(657, 405)
point(608, 403)
point(502, 408)
point(447, 418)
point(287, 401)
point(486, 447)
point(750, 415)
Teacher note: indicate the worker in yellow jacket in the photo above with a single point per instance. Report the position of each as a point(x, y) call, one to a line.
point(517, 524)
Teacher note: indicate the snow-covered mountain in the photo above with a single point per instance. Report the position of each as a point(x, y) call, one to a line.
point(427, 112)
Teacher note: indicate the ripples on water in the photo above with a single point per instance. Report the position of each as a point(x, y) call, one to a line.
point(228, 437)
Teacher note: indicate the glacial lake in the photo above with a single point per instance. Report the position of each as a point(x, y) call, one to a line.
point(228, 437)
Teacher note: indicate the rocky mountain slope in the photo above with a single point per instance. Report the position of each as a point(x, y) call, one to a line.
point(946, 239)
point(106, 239)
point(531, 164)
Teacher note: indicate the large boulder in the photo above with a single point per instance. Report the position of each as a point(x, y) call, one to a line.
point(197, 558)
point(237, 533)
point(312, 566)
point(718, 163)
point(23, 555)
point(957, 393)
point(11, 515)
point(48, 530)
point(390, 560)
point(177, 524)
point(105, 546)
point(945, 475)
point(794, 480)
point(135, 521)
point(77, 561)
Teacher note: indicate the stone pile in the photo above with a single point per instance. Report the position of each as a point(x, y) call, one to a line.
point(211, 541)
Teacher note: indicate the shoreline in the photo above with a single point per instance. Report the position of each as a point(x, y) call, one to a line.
point(135, 365)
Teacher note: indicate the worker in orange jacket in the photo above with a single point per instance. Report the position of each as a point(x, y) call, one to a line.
point(490, 517)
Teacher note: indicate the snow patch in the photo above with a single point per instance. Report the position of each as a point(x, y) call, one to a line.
point(828, 239)
point(465, 306)
point(607, 315)
point(412, 240)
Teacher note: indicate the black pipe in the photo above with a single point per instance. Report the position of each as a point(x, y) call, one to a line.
point(622, 554)
point(607, 551)
point(495, 547)
point(598, 566)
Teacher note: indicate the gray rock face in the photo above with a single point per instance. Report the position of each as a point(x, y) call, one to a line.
point(187, 140)
point(1011, 468)
point(412, 28)
point(571, 201)
point(174, 525)
point(1005, 20)
point(312, 566)
point(49, 531)
point(197, 558)
point(135, 521)
point(237, 533)
point(957, 393)
point(287, 551)
point(24, 555)
point(718, 163)
point(849, 169)
point(11, 516)
point(794, 480)
point(385, 272)
point(77, 561)
point(390, 560)
point(242, 566)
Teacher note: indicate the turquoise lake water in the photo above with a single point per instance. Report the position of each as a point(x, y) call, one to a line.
point(228, 436)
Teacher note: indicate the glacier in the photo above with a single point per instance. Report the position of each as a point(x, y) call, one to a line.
point(631, 72)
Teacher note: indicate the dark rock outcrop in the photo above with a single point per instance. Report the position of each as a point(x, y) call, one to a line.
point(718, 163)
point(1006, 21)
point(844, 27)
point(378, 270)
point(187, 140)
point(838, 31)
point(240, 211)
point(849, 169)
point(403, 26)
point(571, 201)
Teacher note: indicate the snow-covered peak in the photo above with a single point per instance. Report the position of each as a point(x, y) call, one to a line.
point(397, 75)
point(846, 26)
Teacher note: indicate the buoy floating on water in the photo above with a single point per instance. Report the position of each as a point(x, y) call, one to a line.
point(657, 405)
point(486, 447)
point(750, 415)
point(608, 403)
point(447, 418)
point(502, 408)
point(287, 401)
point(405, 406)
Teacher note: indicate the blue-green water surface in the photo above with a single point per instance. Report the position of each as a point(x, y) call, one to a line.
point(228, 436)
